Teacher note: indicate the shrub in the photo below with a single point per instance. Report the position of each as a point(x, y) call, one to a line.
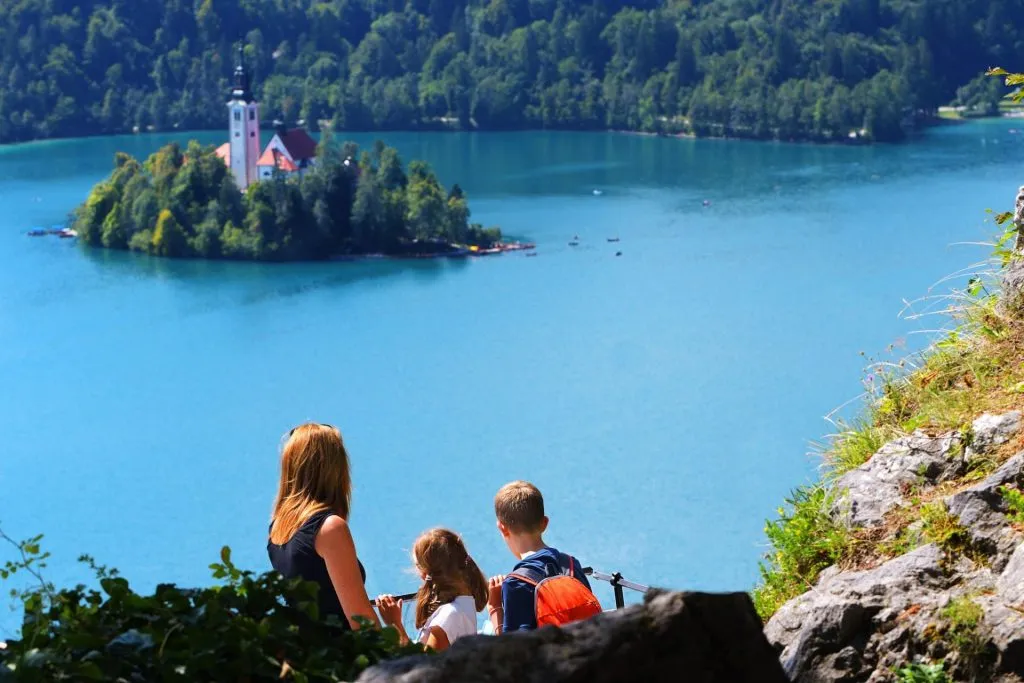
point(922, 673)
point(805, 540)
point(250, 628)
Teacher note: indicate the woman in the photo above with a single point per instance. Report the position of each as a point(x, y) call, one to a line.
point(453, 591)
point(309, 534)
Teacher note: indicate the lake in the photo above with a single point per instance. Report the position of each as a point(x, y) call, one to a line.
point(663, 400)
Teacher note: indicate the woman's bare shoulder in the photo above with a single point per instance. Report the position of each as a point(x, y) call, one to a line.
point(334, 525)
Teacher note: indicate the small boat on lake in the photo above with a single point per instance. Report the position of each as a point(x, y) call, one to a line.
point(613, 239)
point(37, 232)
point(67, 233)
point(574, 243)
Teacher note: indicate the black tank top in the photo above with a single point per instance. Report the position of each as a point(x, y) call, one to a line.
point(298, 558)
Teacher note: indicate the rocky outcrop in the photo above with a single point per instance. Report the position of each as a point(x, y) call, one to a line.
point(834, 632)
point(693, 637)
point(876, 487)
point(981, 510)
point(858, 626)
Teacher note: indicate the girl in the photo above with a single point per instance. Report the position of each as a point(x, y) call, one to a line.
point(309, 534)
point(453, 591)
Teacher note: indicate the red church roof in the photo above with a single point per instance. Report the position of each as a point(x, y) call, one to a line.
point(273, 157)
point(298, 143)
point(224, 152)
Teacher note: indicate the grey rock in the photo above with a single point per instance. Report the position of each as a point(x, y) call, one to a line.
point(994, 430)
point(982, 511)
point(1010, 584)
point(1018, 220)
point(1004, 628)
point(1013, 281)
point(876, 487)
point(696, 637)
point(855, 609)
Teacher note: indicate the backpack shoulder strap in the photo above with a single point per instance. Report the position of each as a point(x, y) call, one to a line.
point(567, 564)
point(527, 575)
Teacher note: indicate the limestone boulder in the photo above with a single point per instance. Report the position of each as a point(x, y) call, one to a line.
point(844, 627)
point(991, 430)
point(693, 637)
point(867, 493)
point(982, 510)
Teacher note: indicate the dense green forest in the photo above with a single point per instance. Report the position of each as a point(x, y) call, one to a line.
point(186, 203)
point(784, 69)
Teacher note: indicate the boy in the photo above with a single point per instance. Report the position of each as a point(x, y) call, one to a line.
point(512, 603)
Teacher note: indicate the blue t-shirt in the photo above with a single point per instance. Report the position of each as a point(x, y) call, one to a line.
point(517, 599)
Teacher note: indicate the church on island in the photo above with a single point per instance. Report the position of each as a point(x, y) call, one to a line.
point(289, 152)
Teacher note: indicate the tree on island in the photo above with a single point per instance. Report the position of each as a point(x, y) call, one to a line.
point(186, 204)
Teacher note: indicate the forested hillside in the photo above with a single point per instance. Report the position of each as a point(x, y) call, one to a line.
point(815, 69)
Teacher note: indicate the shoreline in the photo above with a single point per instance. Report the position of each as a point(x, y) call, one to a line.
point(930, 122)
point(454, 251)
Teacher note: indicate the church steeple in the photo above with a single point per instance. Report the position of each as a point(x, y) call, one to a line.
point(244, 127)
point(240, 90)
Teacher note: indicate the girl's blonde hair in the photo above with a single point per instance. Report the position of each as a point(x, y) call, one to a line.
point(314, 477)
point(451, 572)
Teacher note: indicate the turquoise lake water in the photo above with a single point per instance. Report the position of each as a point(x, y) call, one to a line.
point(663, 400)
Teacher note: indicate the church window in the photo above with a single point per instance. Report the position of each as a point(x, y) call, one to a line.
point(252, 114)
point(238, 115)
point(252, 133)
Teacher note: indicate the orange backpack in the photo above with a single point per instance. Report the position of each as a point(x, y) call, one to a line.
point(560, 599)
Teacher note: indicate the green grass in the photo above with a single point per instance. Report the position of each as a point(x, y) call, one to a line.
point(1014, 500)
point(854, 445)
point(805, 540)
point(943, 529)
point(963, 627)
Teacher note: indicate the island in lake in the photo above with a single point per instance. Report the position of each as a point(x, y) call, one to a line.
point(297, 200)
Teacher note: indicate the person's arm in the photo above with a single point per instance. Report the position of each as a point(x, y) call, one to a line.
point(494, 609)
point(436, 639)
point(334, 543)
point(517, 601)
point(391, 614)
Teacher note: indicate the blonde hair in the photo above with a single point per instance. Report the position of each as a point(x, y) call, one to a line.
point(314, 477)
point(520, 507)
point(451, 572)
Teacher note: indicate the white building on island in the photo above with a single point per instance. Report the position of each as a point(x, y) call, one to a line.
point(290, 152)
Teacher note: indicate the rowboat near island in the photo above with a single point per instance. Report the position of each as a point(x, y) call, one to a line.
point(63, 233)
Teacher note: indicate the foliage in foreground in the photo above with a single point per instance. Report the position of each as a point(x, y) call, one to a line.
point(186, 204)
point(249, 628)
point(922, 673)
point(976, 367)
point(815, 69)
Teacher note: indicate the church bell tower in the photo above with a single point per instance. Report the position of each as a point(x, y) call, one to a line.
point(244, 127)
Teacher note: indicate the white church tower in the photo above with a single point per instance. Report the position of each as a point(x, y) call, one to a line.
point(244, 127)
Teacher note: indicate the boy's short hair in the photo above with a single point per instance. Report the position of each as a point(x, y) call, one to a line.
point(520, 507)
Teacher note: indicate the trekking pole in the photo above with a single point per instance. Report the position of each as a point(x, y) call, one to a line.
point(617, 582)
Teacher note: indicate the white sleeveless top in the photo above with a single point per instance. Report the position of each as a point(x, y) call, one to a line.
point(456, 618)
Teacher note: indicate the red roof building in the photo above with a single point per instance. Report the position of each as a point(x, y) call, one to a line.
point(275, 158)
point(297, 142)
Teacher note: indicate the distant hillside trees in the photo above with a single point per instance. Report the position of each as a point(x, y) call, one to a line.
point(807, 69)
